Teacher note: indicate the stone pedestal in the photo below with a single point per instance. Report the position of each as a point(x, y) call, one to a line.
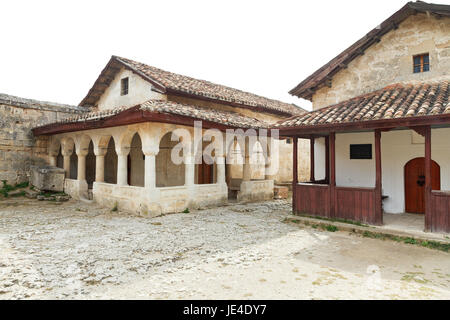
point(47, 178)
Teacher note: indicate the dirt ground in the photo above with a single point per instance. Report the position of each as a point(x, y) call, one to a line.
point(76, 250)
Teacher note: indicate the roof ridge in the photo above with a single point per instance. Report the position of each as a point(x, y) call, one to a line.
point(212, 90)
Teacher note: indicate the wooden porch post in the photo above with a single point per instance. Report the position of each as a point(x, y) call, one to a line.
point(428, 213)
point(327, 159)
point(332, 174)
point(378, 196)
point(294, 173)
point(311, 158)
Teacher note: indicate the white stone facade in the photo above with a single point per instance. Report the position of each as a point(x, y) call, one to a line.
point(148, 199)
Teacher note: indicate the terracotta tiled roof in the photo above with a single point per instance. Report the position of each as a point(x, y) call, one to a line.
point(223, 117)
point(393, 102)
point(227, 118)
point(168, 82)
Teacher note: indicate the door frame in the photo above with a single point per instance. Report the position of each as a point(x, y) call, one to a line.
point(434, 164)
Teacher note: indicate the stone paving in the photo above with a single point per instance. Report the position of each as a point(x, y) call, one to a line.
point(76, 250)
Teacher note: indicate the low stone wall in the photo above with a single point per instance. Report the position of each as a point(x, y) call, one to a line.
point(19, 149)
point(256, 190)
point(156, 201)
point(76, 189)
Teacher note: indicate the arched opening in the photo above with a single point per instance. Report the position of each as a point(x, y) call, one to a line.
point(73, 166)
point(111, 163)
point(90, 165)
point(168, 174)
point(206, 171)
point(258, 162)
point(136, 163)
point(60, 159)
point(414, 171)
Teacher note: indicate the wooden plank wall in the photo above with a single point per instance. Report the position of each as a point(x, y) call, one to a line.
point(313, 200)
point(440, 211)
point(357, 204)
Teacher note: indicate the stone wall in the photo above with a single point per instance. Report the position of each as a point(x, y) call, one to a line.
point(391, 60)
point(19, 149)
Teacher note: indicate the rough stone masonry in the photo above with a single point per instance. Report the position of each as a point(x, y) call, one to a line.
point(19, 149)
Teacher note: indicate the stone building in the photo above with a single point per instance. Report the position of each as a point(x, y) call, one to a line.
point(380, 123)
point(119, 152)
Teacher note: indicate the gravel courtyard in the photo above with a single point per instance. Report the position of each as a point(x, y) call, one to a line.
point(76, 250)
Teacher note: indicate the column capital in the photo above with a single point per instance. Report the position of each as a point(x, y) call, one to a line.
point(123, 151)
point(153, 151)
point(99, 151)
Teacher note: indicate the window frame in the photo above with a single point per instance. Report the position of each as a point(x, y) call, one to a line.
point(124, 86)
point(356, 151)
point(421, 63)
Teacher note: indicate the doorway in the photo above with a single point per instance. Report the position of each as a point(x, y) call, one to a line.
point(415, 184)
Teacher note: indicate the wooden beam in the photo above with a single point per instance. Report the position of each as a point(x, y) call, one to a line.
point(327, 159)
point(332, 174)
point(420, 130)
point(378, 179)
point(294, 173)
point(386, 124)
point(428, 213)
point(311, 159)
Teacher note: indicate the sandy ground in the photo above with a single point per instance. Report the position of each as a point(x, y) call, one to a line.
point(80, 251)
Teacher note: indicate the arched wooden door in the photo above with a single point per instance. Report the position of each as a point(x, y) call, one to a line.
point(415, 184)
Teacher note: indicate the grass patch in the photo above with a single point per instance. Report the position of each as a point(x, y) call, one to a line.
point(356, 223)
point(331, 228)
point(408, 240)
point(186, 210)
point(115, 208)
point(377, 235)
point(7, 188)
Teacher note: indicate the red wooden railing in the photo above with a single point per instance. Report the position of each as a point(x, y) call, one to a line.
point(357, 204)
point(312, 199)
point(439, 211)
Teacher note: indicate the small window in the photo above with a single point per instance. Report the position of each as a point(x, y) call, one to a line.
point(288, 141)
point(124, 86)
point(421, 63)
point(360, 151)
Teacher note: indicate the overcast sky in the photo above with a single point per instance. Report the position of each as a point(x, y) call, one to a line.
point(54, 50)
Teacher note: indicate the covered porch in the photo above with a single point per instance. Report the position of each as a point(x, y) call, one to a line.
point(160, 157)
point(362, 187)
point(327, 198)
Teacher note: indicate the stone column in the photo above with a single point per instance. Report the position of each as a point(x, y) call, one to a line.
point(99, 163)
point(150, 170)
point(99, 168)
point(66, 165)
point(189, 170)
point(122, 168)
point(247, 174)
point(220, 164)
point(81, 167)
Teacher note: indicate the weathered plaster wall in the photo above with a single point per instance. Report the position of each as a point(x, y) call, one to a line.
point(390, 60)
point(397, 148)
point(139, 91)
point(18, 147)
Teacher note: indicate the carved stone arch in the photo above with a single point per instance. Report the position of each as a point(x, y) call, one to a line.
point(101, 143)
point(82, 144)
point(67, 145)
